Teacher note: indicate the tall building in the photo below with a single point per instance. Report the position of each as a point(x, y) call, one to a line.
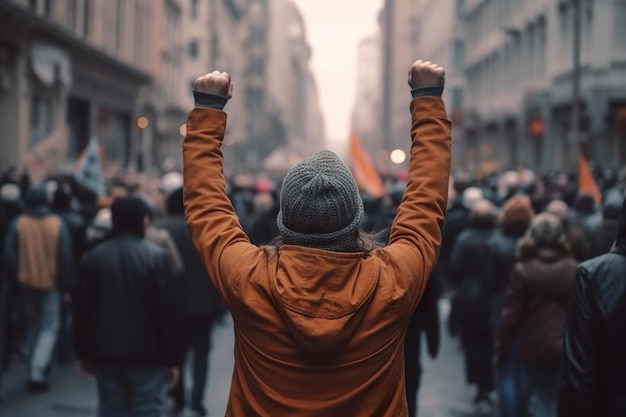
point(520, 78)
point(440, 38)
point(76, 61)
point(398, 35)
point(366, 115)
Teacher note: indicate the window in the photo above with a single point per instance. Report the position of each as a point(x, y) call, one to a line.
point(119, 24)
point(460, 8)
point(193, 49)
point(71, 14)
point(47, 7)
point(194, 9)
point(459, 54)
point(86, 18)
point(40, 119)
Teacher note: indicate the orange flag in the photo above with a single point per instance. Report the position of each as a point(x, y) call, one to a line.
point(586, 182)
point(364, 173)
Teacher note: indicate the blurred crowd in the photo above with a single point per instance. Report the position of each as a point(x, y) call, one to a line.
point(502, 231)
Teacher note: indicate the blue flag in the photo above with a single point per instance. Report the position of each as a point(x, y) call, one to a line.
point(89, 170)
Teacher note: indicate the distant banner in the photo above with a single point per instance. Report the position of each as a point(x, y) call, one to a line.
point(366, 176)
point(586, 182)
point(48, 156)
point(89, 168)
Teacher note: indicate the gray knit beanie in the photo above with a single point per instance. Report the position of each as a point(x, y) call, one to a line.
point(320, 205)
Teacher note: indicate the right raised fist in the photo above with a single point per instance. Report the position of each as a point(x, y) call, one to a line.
point(215, 83)
point(426, 74)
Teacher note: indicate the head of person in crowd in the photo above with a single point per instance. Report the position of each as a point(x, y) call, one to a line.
point(585, 203)
point(546, 231)
point(560, 209)
point(516, 215)
point(36, 200)
point(174, 205)
point(470, 196)
point(462, 181)
point(129, 215)
point(612, 207)
point(62, 197)
point(483, 215)
point(320, 206)
point(10, 193)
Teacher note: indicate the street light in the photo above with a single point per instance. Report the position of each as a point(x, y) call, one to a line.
point(397, 156)
point(142, 122)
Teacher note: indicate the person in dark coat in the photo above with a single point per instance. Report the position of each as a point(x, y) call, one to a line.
point(511, 379)
point(593, 376)
point(127, 317)
point(202, 306)
point(602, 237)
point(536, 305)
point(469, 271)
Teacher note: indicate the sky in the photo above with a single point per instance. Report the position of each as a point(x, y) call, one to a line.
point(334, 29)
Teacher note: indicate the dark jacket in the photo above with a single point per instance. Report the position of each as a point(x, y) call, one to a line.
point(535, 307)
point(594, 364)
point(127, 306)
point(457, 220)
point(200, 298)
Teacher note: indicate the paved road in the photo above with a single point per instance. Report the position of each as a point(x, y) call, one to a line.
point(443, 394)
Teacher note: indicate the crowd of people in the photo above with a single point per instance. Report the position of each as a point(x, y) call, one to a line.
point(130, 288)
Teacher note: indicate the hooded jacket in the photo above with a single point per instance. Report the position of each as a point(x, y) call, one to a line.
point(593, 378)
point(319, 333)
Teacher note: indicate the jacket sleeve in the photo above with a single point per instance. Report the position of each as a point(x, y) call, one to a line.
point(215, 228)
point(580, 370)
point(65, 259)
point(10, 253)
point(81, 300)
point(415, 236)
point(512, 315)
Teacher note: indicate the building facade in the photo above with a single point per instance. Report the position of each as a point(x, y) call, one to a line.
point(520, 82)
point(81, 63)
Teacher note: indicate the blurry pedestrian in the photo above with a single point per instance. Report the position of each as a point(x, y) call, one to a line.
point(320, 318)
point(262, 227)
point(38, 254)
point(593, 377)
point(201, 306)
point(584, 213)
point(602, 237)
point(575, 235)
point(512, 383)
point(127, 328)
point(469, 272)
point(535, 307)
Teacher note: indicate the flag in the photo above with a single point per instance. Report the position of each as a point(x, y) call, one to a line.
point(586, 182)
point(364, 172)
point(48, 156)
point(89, 168)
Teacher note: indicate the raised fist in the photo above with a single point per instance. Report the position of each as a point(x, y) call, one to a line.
point(215, 83)
point(426, 74)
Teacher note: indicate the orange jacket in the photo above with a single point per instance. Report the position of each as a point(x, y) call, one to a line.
point(319, 333)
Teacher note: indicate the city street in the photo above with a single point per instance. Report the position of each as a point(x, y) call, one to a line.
point(443, 394)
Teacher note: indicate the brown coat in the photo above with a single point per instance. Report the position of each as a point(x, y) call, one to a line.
point(319, 333)
point(536, 307)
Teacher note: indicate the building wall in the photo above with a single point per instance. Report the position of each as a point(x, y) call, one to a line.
point(519, 74)
point(100, 78)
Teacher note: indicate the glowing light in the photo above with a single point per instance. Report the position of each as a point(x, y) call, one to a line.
point(183, 130)
point(142, 122)
point(397, 156)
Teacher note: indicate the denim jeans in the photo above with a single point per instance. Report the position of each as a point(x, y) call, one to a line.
point(42, 310)
point(131, 392)
point(545, 385)
point(513, 385)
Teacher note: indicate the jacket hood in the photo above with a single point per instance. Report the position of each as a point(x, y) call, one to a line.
point(323, 295)
point(36, 201)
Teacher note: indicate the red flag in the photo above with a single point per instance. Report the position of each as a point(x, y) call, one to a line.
point(364, 173)
point(586, 182)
